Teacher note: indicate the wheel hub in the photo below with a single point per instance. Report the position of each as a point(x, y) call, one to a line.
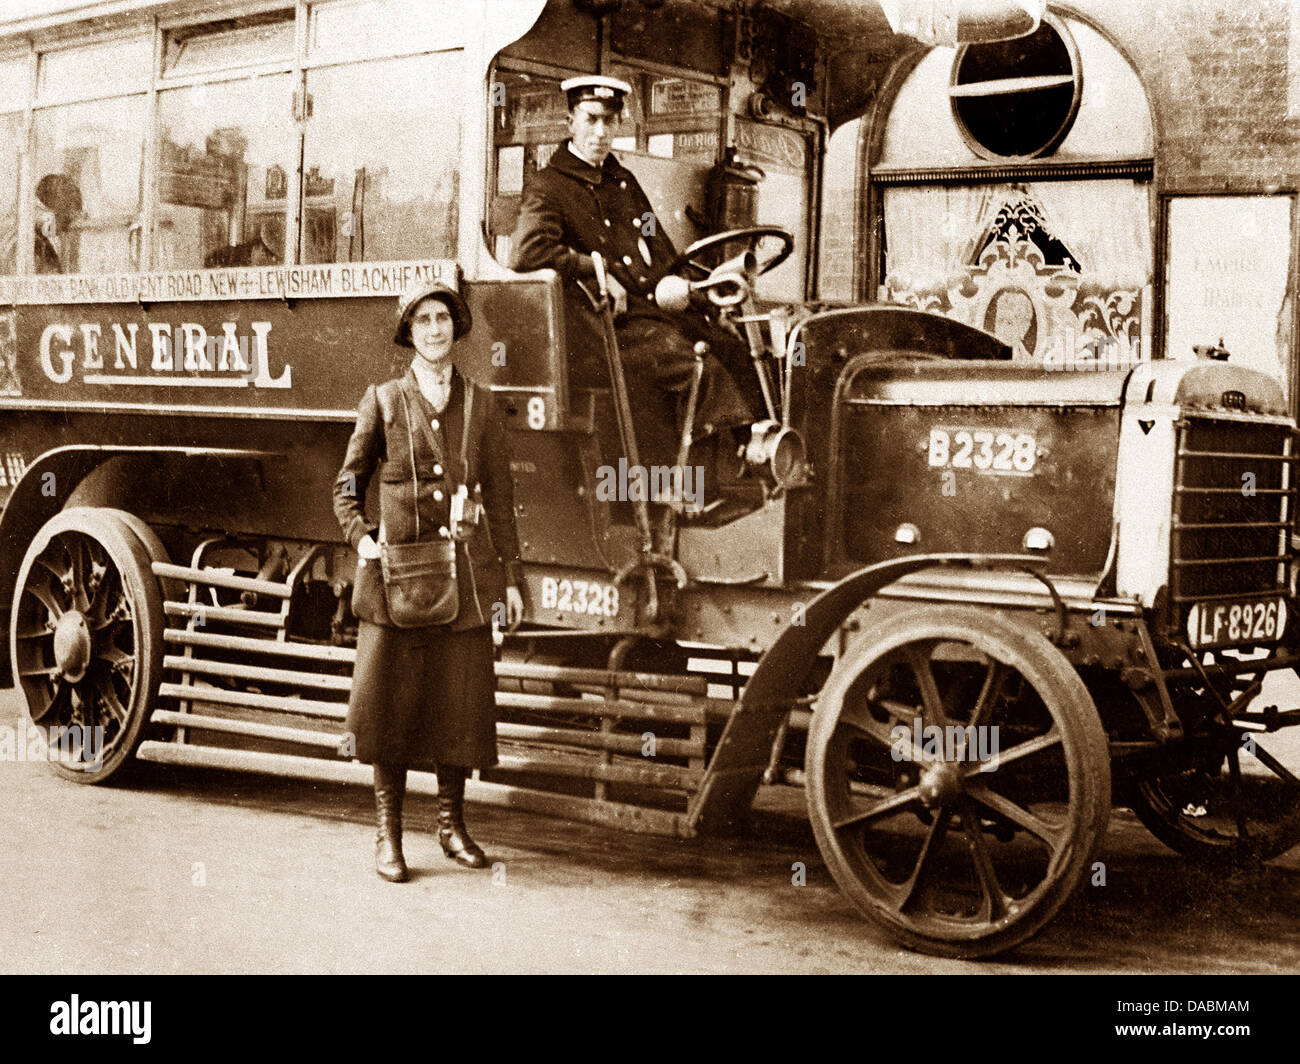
point(939, 783)
point(72, 646)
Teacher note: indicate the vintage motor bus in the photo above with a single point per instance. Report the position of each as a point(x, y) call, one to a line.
point(1005, 549)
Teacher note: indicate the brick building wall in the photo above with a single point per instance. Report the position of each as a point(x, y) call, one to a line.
point(1223, 77)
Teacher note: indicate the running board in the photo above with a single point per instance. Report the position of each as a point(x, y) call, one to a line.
point(612, 814)
point(602, 745)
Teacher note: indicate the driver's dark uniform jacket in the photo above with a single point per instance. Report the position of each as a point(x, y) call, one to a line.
point(570, 209)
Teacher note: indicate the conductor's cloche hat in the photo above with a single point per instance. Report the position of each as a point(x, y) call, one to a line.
point(609, 91)
point(461, 318)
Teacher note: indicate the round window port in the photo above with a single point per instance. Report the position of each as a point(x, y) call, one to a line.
point(1017, 99)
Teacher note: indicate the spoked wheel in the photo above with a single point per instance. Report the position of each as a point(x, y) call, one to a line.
point(86, 638)
point(1234, 796)
point(958, 779)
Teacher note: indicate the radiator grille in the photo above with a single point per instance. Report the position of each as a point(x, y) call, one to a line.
point(1232, 511)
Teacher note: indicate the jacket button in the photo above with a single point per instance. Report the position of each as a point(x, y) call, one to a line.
point(437, 496)
point(607, 222)
point(627, 260)
point(434, 424)
point(437, 470)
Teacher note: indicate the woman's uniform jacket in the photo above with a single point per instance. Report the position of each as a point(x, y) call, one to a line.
point(382, 443)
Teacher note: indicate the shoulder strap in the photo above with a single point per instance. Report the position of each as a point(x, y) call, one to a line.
point(384, 398)
point(470, 389)
point(410, 443)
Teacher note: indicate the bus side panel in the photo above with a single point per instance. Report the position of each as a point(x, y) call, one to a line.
point(255, 354)
point(285, 493)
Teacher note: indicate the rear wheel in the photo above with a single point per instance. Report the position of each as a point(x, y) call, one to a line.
point(86, 639)
point(958, 779)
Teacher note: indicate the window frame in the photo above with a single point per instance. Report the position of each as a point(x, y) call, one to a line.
point(25, 252)
point(250, 69)
point(153, 178)
point(875, 177)
point(329, 59)
point(28, 201)
point(156, 28)
point(1050, 144)
point(140, 87)
point(337, 64)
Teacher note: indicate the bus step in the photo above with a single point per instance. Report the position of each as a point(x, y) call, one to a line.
point(255, 729)
point(254, 700)
point(613, 814)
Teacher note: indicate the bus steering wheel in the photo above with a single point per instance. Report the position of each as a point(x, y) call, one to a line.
point(689, 259)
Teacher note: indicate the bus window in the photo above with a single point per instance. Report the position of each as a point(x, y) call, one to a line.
point(90, 71)
point(86, 164)
point(838, 225)
point(225, 151)
point(342, 30)
point(782, 154)
point(227, 145)
point(13, 82)
point(670, 141)
point(244, 42)
point(14, 78)
point(380, 161)
point(10, 130)
point(529, 121)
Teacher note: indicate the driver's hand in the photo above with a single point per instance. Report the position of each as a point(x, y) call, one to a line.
point(617, 295)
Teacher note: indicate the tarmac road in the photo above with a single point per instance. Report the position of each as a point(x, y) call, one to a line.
point(195, 871)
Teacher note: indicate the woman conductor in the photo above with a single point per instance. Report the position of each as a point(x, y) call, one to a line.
point(423, 696)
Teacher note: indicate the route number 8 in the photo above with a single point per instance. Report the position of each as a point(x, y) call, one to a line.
point(537, 412)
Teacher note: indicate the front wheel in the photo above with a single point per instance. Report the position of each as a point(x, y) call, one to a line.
point(958, 779)
point(86, 639)
point(1233, 796)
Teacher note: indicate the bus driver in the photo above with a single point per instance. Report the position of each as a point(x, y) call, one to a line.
point(584, 200)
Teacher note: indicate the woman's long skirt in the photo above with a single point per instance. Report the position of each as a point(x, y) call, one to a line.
point(422, 696)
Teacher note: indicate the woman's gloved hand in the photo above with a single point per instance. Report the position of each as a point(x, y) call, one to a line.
point(368, 548)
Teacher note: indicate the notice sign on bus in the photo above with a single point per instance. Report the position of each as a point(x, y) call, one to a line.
point(327, 280)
